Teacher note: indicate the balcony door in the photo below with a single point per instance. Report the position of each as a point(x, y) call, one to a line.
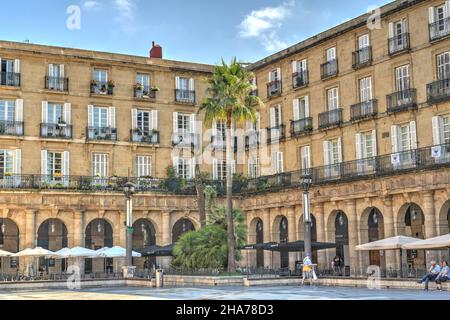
point(363, 45)
point(366, 151)
point(443, 66)
point(404, 143)
point(403, 84)
point(301, 108)
point(332, 157)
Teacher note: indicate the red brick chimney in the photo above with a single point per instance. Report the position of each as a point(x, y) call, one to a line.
point(156, 51)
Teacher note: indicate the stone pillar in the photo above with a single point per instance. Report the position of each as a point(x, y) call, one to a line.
point(275, 234)
point(267, 237)
point(430, 223)
point(30, 237)
point(321, 237)
point(353, 235)
point(166, 237)
point(78, 229)
point(292, 234)
point(392, 261)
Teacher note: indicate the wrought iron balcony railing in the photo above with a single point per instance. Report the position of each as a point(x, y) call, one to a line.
point(11, 128)
point(329, 69)
point(144, 93)
point(402, 100)
point(364, 110)
point(102, 133)
point(102, 87)
point(362, 58)
point(57, 83)
point(330, 118)
point(56, 130)
point(10, 79)
point(147, 137)
point(185, 139)
point(438, 91)
point(185, 96)
point(399, 43)
point(276, 134)
point(300, 79)
point(274, 89)
point(301, 126)
point(439, 29)
point(252, 139)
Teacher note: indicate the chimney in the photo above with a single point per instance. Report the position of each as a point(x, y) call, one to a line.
point(156, 51)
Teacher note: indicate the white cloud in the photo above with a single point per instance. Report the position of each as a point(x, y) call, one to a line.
point(91, 4)
point(264, 23)
point(126, 9)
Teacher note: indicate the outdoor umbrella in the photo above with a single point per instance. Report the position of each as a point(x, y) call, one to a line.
point(441, 242)
point(116, 252)
point(34, 253)
point(4, 254)
point(157, 251)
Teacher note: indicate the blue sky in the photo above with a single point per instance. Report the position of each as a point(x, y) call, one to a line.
point(194, 30)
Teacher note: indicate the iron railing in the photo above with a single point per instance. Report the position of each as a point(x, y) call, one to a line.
point(185, 96)
point(56, 130)
point(301, 126)
point(57, 83)
point(185, 139)
point(329, 69)
point(101, 133)
point(274, 88)
point(11, 128)
point(362, 57)
point(276, 134)
point(144, 92)
point(330, 118)
point(10, 79)
point(147, 137)
point(252, 139)
point(402, 100)
point(439, 29)
point(438, 91)
point(364, 110)
point(399, 43)
point(300, 79)
point(102, 87)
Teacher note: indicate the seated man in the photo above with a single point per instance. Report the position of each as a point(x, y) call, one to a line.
point(431, 275)
point(308, 269)
point(443, 275)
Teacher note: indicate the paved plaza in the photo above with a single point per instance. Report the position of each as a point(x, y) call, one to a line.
point(226, 293)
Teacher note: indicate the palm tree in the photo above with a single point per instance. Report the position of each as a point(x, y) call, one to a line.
point(230, 100)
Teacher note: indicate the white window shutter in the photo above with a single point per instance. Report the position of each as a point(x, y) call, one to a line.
point(192, 168)
point(340, 149)
point(326, 153)
point(233, 167)
point(279, 74)
point(112, 117)
point(394, 139)
point(431, 14)
point(391, 29)
point(44, 162)
point(436, 131)
point(133, 118)
point(413, 134)
point(90, 115)
point(51, 69)
point(191, 84)
point(374, 143)
point(17, 162)
point(359, 146)
point(44, 111)
point(176, 161)
point(66, 164)
point(175, 122)
point(214, 167)
point(177, 82)
point(280, 161)
point(249, 167)
point(68, 113)
point(61, 71)
point(272, 117)
point(296, 106)
point(270, 76)
point(155, 119)
point(447, 9)
point(294, 67)
point(306, 153)
point(17, 66)
point(306, 106)
point(193, 123)
point(405, 25)
point(19, 110)
point(214, 129)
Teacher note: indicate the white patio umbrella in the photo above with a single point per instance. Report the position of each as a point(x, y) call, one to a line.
point(79, 252)
point(4, 254)
point(36, 252)
point(393, 243)
point(441, 242)
point(117, 252)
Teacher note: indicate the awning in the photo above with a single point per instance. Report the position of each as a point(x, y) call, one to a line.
point(393, 243)
point(157, 251)
point(297, 246)
point(441, 242)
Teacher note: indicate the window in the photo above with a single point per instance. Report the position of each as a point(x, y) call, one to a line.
point(100, 117)
point(183, 167)
point(220, 169)
point(143, 166)
point(100, 165)
point(7, 66)
point(100, 75)
point(443, 66)
point(54, 113)
point(184, 123)
point(254, 170)
point(366, 145)
point(183, 83)
point(446, 129)
point(278, 162)
point(6, 163)
point(7, 109)
point(331, 54)
point(275, 117)
point(275, 75)
point(365, 89)
point(144, 80)
point(402, 79)
point(55, 165)
point(221, 130)
point(404, 137)
point(301, 108)
point(332, 152)
point(333, 99)
point(405, 142)
point(305, 158)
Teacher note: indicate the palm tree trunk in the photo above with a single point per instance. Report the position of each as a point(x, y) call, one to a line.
point(200, 196)
point(230, 224)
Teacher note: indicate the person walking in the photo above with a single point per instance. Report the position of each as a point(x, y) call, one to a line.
point(443, 275)
point(337, 265)
point(432, 274)
point(308, 270)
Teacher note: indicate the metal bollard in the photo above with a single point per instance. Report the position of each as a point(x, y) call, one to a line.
point(159, 278)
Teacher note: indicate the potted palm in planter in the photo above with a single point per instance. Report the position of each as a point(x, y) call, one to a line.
point(172, 183)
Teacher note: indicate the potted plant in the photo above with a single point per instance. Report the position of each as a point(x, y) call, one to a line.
point(172, 183)
point(154, 89)
point(111, 84)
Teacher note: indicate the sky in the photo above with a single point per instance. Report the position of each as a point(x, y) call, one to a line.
point(201, 31)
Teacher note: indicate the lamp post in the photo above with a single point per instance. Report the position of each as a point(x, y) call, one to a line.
point(306, 184)
point(129, 189)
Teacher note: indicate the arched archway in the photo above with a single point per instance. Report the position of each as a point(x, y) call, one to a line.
point(99, 234)
point(372, 229)
point(444, 219)
point(338, 232)
point(144, 235)
point(52, 235)
point(181, 227)
point(9, 241)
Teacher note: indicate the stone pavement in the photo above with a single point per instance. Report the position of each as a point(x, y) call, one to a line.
point(226, 293)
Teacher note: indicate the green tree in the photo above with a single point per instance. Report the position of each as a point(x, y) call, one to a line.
point(230, 100)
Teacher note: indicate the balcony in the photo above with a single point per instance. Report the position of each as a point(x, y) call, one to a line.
point(102, 133)
point(252, 139)
point(144, 92)
point(185, 96)
point(11, 128)
point(185, 139)
point(330, 119)
point(10, 79)
point(56, 130)
point(438, 91)
point(329, 69)
point(146, 137)
point(102, 88)
point(274, 89)
point(399, 44)
point(57, 84)
point(439, 29)
point(362, 58)
point(301, 127)
point(276, 134)
point(364, 110)
point(300, 79)
point(402, 101)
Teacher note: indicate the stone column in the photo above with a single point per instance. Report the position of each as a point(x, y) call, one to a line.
point(321, 237)
point(78, 229)
point(292, 234)
point(166, 236)
point(353, 235)
point(267, 237)
point(30, 238)
point(430, 223)
point(392, 261)
point(275, 234)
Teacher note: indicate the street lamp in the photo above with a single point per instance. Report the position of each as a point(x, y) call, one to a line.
point(306, 184)
point(129, 189)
